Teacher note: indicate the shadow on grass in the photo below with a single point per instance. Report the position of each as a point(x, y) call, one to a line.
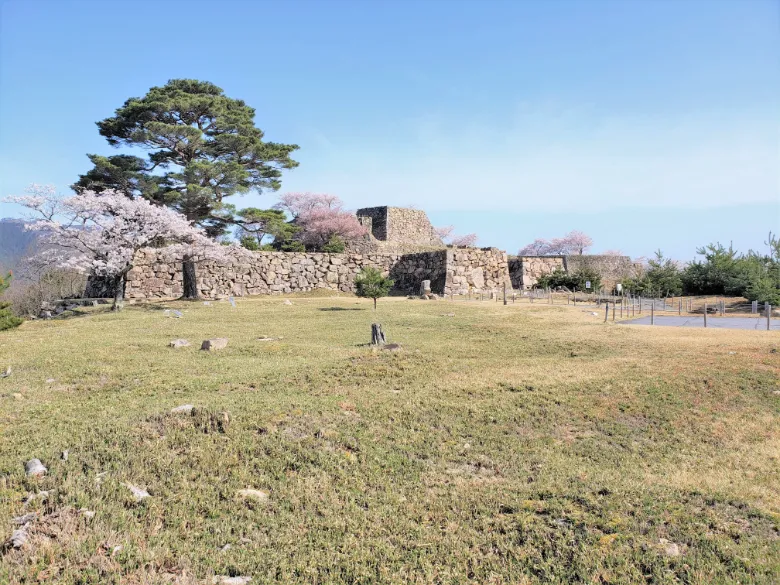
point(340, 309)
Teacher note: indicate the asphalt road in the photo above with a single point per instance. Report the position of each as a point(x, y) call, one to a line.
point(758, 324)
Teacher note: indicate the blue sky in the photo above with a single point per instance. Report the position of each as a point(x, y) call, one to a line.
point(646, 124)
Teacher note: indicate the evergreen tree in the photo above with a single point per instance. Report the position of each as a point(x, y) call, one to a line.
point(7, 319)
point(203, 147)
point(370, 284)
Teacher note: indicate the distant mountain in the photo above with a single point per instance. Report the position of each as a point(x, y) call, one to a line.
point(15, 243)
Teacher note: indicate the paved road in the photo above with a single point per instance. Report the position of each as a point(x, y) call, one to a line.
point(714, 322)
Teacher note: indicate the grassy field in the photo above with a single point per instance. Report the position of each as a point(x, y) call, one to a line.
point(505, 445)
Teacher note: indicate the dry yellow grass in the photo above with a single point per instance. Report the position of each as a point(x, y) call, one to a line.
point(517, 444)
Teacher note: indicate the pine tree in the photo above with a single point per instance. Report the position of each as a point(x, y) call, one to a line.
point(204, 147)
point(7, 319)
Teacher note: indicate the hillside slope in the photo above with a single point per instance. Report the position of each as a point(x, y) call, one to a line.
point(15, 243)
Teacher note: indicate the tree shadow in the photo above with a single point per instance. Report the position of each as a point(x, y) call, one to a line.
point(341, 309)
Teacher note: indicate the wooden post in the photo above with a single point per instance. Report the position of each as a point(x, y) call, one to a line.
point(514, 295)
point(575, 297)
point(705, 313)
point(614, 309)
point(551, 301)
point(652, 313)
point(768, 315)
point(505, 293)
point(377, 335)
point(640, 304)
point(679, 308)
point(606, 312)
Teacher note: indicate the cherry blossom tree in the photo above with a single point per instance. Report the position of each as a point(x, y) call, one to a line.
point(466, 240)
point(100, 234)
point(444, 232)
point(578, 242)
point(575, 242)
point(539, 247)
point(447, 235)
point(320, 217)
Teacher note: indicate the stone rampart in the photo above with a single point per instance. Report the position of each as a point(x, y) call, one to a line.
point(259, 273)
point(476, 269)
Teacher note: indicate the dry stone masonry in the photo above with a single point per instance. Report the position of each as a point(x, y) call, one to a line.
point(401, 243)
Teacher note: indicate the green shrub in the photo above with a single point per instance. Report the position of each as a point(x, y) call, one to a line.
point(7, 319)
point(370, 283)
point(335, 245)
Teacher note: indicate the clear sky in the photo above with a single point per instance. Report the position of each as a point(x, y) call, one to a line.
point(647, 124)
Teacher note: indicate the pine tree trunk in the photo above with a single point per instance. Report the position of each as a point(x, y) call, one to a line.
point(377, 335)
point(189, 279)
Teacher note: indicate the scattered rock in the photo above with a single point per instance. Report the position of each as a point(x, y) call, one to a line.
point(43, 495)
point(64, 455)
point(25, 519)
point(176, 343)
point(226, 547)
point(19, 537)
point(264, 338)
point(669, 548)
point(50, 380)
point(34, 467)
point(88, 514)
point(17, 395)
point(6, 372)
point(183, 409)
point(94, 303)
point(214, 344)
point(392, 347)
point(99, 477)
point(222, 580)
point(45, 315)
point(138, 493)
point(206, 304)
point(448, 315)
point(287, 302)
point(116, 549)
point(252, 494)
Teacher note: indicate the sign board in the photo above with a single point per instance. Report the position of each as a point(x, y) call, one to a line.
point(587, 284)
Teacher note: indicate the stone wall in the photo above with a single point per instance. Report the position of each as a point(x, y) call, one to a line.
point(612, 269)
point(261, 273)
point(476, 269)
point(395, 230)
point(525, 271)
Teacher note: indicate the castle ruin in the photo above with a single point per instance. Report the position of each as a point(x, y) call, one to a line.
point(400, 242)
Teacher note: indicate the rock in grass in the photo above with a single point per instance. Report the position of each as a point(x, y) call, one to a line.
point(252, 494)
point(88, 514)
point(183, 409)
point(669, 548)
point(19, 537)
point(287, 302)
point(392, 347)
point(222, 580)
point(64, 455)
point(34, 468)
point(138, 493)
point(264, 338)
point(176, 343)
point(25, 519)
point(6, 372)
point(214, 344)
